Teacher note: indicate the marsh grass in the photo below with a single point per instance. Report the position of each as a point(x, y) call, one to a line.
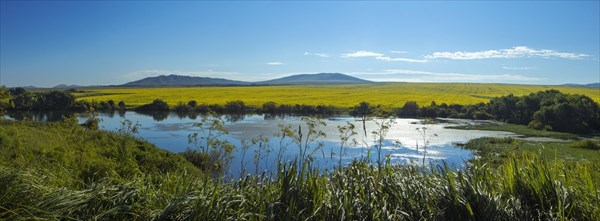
point(518, 129)
point(523, 186)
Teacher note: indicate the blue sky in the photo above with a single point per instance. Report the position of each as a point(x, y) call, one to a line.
point(97, 43)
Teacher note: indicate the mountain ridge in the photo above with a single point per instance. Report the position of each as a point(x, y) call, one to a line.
point(173, 80)
point(590, 85)
point(63, 86)
point(181, 80)
point(299, 79)
point(320, 78)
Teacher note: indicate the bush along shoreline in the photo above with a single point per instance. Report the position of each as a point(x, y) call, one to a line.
point(548, 110)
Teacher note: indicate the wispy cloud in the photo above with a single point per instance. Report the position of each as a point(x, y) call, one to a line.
point(398, 52)
point(275, 63)
point(518, 68)
point(381, 57)
point(323, 55)
point(385, 58)
point(515, 52)
point(459, 77)
point(361, 54)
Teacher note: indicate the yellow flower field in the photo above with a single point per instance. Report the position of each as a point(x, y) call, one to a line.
point(386, 94)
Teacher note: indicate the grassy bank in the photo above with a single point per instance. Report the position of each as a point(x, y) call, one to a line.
point(517, 129)
point(344, 96)
point(496, 151)
point(75, 156)
point(42, 166)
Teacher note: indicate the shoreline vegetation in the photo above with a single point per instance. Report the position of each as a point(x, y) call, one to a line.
point(521, 130)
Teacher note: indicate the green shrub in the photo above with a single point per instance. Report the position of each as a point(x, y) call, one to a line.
point(205, 161)
point(182, 107)
point(156, 105)
point(235, 107)
point(94, 171)
point(501, 140)
point(586, 144)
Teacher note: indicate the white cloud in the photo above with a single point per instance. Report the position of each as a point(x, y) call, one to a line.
point(381, 57)
point(275, 63)
point(518, 68)
point(323, 55)
point(384, 58)
point(515, 52)
point(361, 54)
point(399, 52)
point(459, 77)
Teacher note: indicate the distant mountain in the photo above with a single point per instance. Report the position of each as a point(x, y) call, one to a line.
point(178, 80)
point(592, 85)
point(62, 86)
point(321, 78)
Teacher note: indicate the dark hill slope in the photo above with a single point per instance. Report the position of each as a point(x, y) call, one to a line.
point(178, 80)
point(592, 85)
point(321, 78)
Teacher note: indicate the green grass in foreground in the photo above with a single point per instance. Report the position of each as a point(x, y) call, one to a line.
point(523, 187)
point(75, 156)
point(497, 151)
point(386, 94)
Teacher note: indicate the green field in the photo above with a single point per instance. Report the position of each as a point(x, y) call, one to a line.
point(387, 94)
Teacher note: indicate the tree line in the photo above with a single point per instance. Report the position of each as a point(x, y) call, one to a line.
point(53, 100)
point(23, 100)
point(544, 110)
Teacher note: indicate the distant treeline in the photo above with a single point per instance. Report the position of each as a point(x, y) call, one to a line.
point(23, 100)
point(544, 110)
point(239, 107)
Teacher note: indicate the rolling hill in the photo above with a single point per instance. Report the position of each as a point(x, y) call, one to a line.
point(178, 80)
point(64, 86)
point(313, 79)
point(321, 78)
point(592, 85)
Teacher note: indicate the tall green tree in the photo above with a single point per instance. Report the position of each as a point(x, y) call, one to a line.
point(409, 109)
point(55, 100)
point(24, 101)
point(4, 99)
point(364, 110)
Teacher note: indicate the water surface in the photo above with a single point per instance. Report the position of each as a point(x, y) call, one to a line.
point(403, 143)
point(407, 140)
